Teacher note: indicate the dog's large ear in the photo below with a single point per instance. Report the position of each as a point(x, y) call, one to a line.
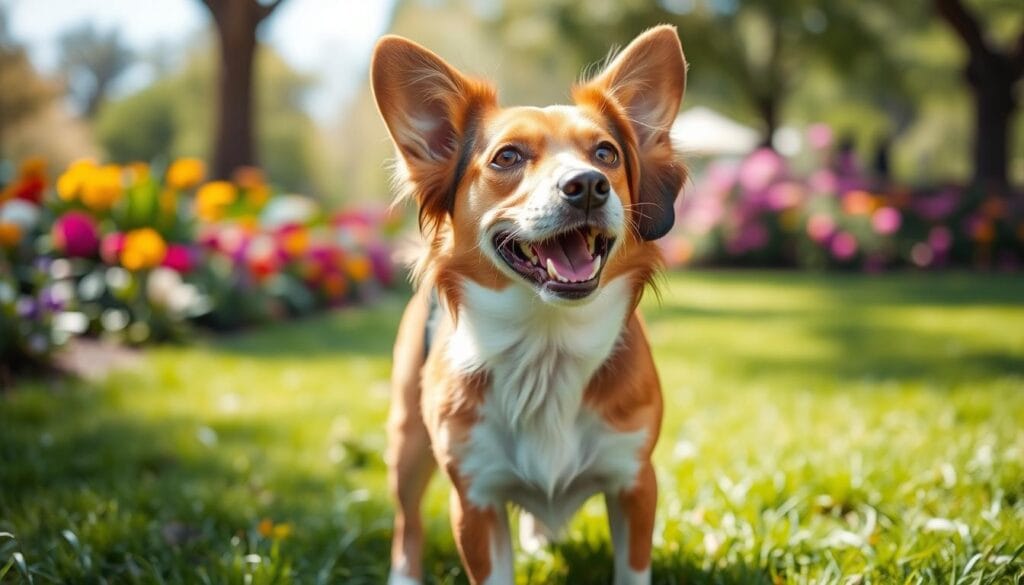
point(430, 110)
point(641, 90)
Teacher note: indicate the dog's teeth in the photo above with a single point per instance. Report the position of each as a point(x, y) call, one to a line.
point(552, 272)
point(592, 241)
point(528, 252)
point(597, 267)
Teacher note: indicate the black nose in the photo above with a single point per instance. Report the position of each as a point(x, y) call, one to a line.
point(585, 189)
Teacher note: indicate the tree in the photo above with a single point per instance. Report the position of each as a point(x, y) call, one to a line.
point(91, 61)
point(24, 92)
point(755, 52)
point(173, 117)
point(992, 74)
point(236, 22)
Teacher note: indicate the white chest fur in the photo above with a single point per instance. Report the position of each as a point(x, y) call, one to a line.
point(536, 444)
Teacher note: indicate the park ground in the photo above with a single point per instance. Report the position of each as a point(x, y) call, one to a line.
point(819, 428)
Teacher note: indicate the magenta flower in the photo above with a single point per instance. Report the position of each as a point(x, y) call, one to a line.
point(940, 238)
point(179, 258)
point(820, 227)
point(886, 220)
point(844, 246)
point(75, 235)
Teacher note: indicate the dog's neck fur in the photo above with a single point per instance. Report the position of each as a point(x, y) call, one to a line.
point(539, 356)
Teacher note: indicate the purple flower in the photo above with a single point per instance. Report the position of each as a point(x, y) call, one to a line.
point(940, 238)
point(75, 235)
point(26, 308)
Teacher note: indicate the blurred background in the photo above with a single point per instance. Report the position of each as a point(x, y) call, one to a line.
point(198, 298)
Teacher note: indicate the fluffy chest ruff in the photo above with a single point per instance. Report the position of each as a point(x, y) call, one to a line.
point(534, 442)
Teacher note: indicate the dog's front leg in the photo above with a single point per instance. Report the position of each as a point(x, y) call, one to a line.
point(631, 519)
point(484, 541)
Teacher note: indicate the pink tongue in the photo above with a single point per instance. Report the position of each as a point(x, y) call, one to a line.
point(569, 254)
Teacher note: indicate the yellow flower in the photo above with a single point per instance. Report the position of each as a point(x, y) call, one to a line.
point(71, 182)
point(168, 201)
point(143, 248)
point(358, 268)
point(281, 531)
point(10, 234)
point(102, 187)
point(213, 199)
point(138, 172)
point(185, 173)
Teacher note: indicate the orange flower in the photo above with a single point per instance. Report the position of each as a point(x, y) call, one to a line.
point(294, 240)
point(994, 207)
point(143, 248)
point(213, 199)
point(266, 527)
point(102, 187)
point(859, 203)
point(334, 285)
point(10, 234)
point(983, 232)
point(358, 268)
point(185, 173)
point(249, 177)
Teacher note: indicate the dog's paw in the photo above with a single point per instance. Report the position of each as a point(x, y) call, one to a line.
point(533, 535)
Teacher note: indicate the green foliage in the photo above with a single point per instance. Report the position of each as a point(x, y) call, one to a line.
point(174, 117)
point(818, 429)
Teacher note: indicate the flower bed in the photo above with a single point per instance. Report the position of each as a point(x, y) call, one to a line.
point(760, 212)
point(140, 254)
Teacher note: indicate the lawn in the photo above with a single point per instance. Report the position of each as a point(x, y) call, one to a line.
point(818, 428)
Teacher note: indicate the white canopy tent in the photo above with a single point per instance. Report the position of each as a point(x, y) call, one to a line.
point(702, 131)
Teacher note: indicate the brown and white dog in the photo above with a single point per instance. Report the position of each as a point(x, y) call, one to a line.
point(522, 366)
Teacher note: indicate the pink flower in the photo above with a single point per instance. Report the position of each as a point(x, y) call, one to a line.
point(886, 220)
point(939, 206)
point(752, 236)
point(819, 136)
point(75, 235)
point(761, 169)
point(179, 258)
point(844, 246)
point(823, 182)
point(820, 227)
point(784, 195)
point(111, 246)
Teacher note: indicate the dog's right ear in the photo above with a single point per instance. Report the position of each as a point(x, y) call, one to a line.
point(431, 111)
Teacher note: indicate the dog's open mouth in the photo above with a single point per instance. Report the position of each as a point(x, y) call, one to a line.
point(568, 264)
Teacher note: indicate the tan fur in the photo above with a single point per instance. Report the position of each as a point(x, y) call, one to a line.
point(445, 127)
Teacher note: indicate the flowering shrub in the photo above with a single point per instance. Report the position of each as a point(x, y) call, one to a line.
point(759, 212)
point(135, 253)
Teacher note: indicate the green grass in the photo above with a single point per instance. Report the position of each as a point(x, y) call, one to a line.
point(818, 428)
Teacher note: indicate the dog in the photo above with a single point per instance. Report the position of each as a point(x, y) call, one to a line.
point(521, 365)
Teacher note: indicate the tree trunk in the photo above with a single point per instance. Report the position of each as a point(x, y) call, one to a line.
point(768, 107)
point(234, 145)
point(994, 105)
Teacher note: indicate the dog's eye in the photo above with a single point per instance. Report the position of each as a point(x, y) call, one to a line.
point(507, 158)
point(606, 153)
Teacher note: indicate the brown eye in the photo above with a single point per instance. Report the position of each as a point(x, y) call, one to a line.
point(507, 158)
point(606, 153)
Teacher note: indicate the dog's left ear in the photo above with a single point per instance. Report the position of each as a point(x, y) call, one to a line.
point(641, 90)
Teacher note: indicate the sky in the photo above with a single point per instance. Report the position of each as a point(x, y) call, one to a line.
point(330, 39)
